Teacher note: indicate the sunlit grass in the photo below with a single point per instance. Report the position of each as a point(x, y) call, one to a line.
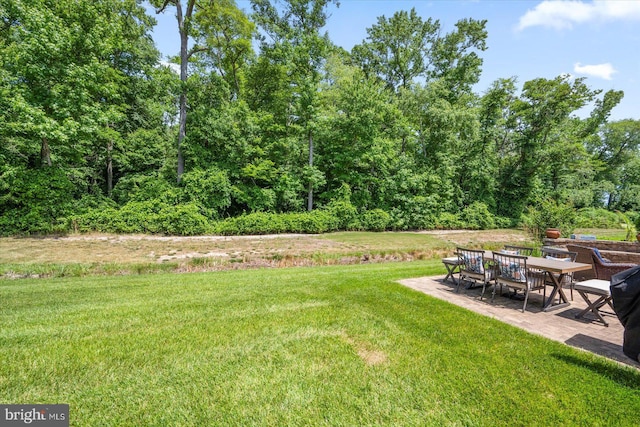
point(342, 345)
point(606, 234)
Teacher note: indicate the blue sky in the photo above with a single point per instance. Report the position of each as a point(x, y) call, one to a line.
point(527, 39)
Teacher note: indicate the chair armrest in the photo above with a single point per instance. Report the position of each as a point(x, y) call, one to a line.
point(605, 271)
point(622, 265)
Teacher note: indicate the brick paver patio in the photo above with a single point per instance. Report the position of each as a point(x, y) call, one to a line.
point(559, 325)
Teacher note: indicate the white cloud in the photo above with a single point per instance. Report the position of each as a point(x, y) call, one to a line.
point(603, 71)
point(563, 14)
point(173, 67)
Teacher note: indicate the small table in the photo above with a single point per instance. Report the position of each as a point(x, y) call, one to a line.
point(556, 271)
point(453, 266)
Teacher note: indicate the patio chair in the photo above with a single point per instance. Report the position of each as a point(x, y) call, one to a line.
point(473, 267)
point(603, 269)
point(512, 271)
point(561, 255)
point(519, 250)
point(584, 256)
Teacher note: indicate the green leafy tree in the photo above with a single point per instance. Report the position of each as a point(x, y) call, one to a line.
point(359, 135)
point(404, 48)
point(297, 50)
point(617, 149)
point(71, 74)
point(220, 34)
point(537, 124)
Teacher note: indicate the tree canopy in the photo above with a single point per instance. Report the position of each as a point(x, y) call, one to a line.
point(268, 115)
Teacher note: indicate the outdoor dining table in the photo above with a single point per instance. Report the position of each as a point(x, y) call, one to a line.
point(556, 270)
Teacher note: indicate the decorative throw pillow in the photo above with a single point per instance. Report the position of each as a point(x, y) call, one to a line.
point(506, 252)
point(512, 271)
point(558, 259)
point(474, 264)
point(598, 254)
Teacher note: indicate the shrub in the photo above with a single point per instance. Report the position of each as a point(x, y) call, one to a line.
point(505, 222)
point(549, 214)
point(317, 221)
point(184, 220)
point(375, 220)
point(476, 216)
point(449, 221)
point(343, 210)
point(151, 216)
point(35, 201)
point(209, 189)
point(140, 188)
point(597, 218)
point(345, 213)
point(416, 213)
point(637, 223)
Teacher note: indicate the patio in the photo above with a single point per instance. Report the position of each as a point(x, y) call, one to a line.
point(559, 325)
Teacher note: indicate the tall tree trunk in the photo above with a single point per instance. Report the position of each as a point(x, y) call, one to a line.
point(310, 198)
point(109, 168)
point(184, 58)
point(45, 153)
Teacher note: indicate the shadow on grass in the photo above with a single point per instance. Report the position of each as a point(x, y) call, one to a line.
point(608, 350)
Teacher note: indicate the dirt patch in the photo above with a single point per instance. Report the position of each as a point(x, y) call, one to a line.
point(171, 257)
point(365, 351)
point(460, 237)
point(126, 254)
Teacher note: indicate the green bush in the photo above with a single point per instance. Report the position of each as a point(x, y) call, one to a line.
point(151, 216)
point(184, 220)
point(209, 189)
point(449, 221)
point(476, 216)
point(505, 222)
point(35, 201)
point(375, 220)
point(416, 213)
point(346, 214)
point(549, 214)
point(140, 188)
point(317, 221)
point(636, 222)
point(597, 218)
point(343, 210)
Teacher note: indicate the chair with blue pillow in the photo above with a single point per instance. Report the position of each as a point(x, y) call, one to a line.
point(474, 268)
point(512, 271)
point(603, 269)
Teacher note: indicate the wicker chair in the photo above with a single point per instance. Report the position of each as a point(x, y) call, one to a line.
point(584, 256)
point(602, 268)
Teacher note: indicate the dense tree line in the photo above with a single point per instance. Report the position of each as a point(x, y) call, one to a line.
point(268, 116)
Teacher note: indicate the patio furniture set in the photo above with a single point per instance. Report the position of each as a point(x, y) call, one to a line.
point(578, 268)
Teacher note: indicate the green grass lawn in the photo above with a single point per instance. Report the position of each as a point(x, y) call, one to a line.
point(606, 234)
point(342, 345)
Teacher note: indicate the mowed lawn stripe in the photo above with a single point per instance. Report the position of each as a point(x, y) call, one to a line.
point(342, 345)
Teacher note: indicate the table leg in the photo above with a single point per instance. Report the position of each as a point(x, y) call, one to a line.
point(563, 301)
